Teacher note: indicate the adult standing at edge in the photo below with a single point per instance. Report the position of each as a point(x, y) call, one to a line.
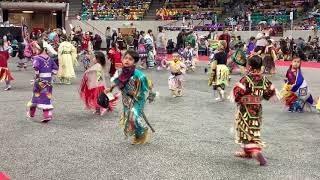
point(108, 38)
point(67, 56)
point(180, 37)
point(114, 35)
point(226, 37)
point(149, 41)
point(161, 45)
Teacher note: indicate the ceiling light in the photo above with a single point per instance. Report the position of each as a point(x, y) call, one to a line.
point(28, 12)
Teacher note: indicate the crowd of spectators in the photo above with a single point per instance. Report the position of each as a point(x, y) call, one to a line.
point(114, 10)
point(269, 12)
point(178, 9)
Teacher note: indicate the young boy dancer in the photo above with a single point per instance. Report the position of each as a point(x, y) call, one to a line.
point(296, 93)
point(248, 94)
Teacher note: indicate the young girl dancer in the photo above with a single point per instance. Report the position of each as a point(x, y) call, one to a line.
point(188, 57)
point(93, 84)
point(219, 76)
point(44, 67)
point(269, 59)
point(178, 69)
point(142, 51)
point(135, 87)
point(248, 94)
point(28, 52)
point(114, 55)
point(86, 50)
point(5, 74)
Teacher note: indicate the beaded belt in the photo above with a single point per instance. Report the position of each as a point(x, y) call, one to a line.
point(249, 99)
point(66, 52)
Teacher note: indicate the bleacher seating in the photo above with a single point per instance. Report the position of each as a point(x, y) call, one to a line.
point(269, 11)
point(280, 12)
point(264, 10)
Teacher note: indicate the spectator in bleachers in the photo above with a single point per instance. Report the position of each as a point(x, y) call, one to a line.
point(109, 10)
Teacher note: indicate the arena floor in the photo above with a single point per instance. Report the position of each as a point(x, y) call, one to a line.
point(193, 138)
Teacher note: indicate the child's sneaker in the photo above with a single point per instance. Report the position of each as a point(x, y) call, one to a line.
point(259, 157)
point(8, 88)
point(96, 112)
point(290, 109)
point(46, 120)
point(28, 115)
point(102, 111)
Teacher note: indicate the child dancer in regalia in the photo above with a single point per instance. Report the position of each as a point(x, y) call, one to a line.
point(5, 74)
point(114, 55)
point(150, 49)
point(44, 67)
point(28, 46)
point(18, 49)
point(269, 59)
point(93, 84)
point(188, 57)
point(136, 89)
point(219, 72)
point(142, 50)
point(295, 92)
point(178, 69)
point(251, 46)
point(239, 59)
point(248, 94)
point(86, 50)
point(318, 105)
point(213, 49)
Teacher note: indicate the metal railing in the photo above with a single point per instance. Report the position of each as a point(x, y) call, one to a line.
point(93, 28)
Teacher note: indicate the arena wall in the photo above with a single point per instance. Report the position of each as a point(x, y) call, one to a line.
point(100, 26)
